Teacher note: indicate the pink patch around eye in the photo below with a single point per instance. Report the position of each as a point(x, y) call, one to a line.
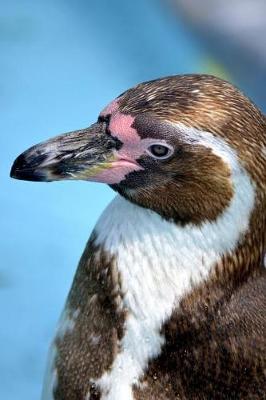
point(121, 127)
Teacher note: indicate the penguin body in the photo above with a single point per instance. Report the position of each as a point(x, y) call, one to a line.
point(168, 301)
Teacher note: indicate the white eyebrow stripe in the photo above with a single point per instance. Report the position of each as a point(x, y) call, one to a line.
point(217, 145)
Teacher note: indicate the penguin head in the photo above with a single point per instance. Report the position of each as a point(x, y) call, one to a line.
point(175, 145)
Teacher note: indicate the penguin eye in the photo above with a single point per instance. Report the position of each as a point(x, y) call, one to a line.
point(160, 151)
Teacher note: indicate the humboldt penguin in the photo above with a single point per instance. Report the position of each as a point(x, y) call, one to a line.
point(168, 301)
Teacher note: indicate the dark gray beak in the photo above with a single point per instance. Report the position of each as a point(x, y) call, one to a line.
point(76, 155)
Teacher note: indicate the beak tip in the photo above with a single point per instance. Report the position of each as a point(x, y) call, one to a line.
point(17, 167)
point(22, 170)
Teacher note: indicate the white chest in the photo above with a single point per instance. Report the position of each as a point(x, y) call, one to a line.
point(159, 262)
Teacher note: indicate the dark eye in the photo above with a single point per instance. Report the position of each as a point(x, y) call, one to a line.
point(160, 151)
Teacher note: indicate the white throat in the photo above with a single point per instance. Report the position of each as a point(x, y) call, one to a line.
point(159, 263)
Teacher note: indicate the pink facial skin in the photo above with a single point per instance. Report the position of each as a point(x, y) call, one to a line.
point(133, 147)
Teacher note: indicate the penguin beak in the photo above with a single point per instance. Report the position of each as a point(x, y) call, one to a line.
point(82, 154)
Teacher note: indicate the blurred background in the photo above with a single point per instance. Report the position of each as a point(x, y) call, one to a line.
point(61, 62)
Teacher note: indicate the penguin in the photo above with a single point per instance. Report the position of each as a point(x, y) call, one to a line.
point(168, 301)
